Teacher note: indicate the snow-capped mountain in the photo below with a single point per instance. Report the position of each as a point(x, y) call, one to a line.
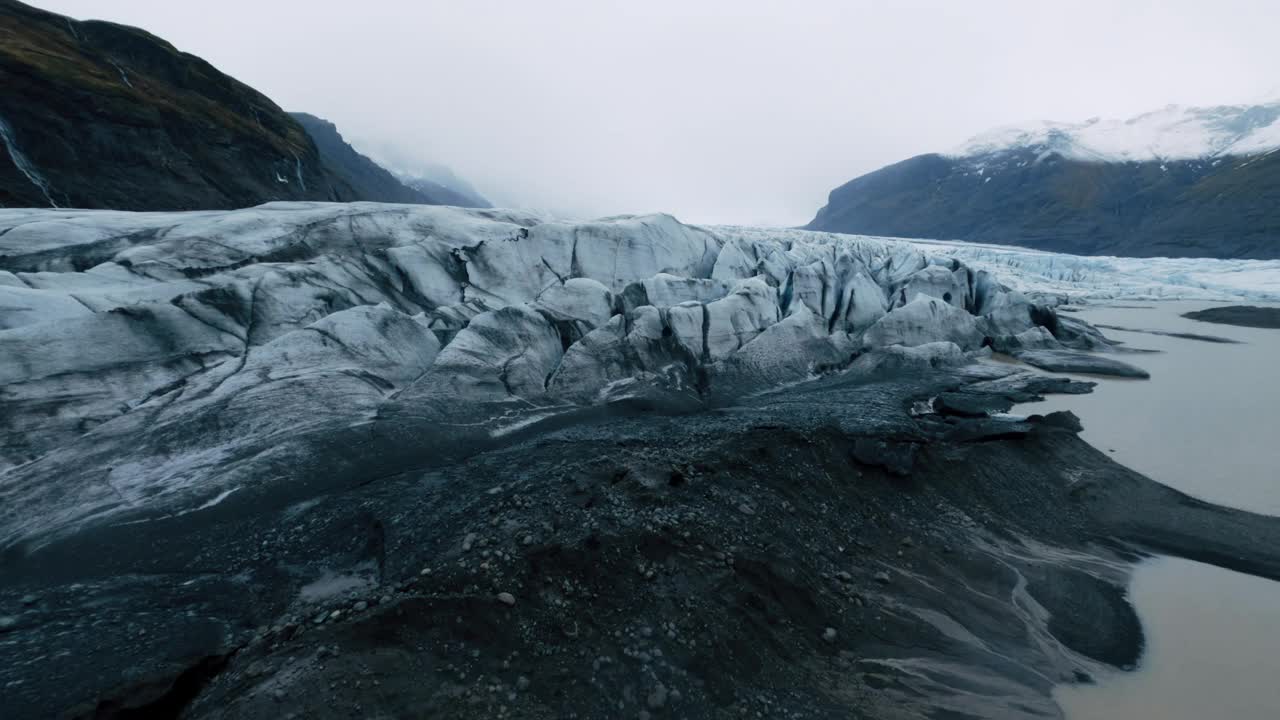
point(1176, 182)
point(1174, 132)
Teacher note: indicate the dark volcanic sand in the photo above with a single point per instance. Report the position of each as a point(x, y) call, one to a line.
point(821, 551)
point(1242, 315)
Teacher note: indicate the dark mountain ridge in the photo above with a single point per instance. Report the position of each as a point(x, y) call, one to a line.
point(461, 195)
point(100, 115)
point(444, 175)
point(1221, 207)
point(367, 178)
point(372, 180)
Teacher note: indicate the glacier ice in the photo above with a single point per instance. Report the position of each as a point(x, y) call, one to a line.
point(919, 322)
point(1069, 278)
point(152, 362)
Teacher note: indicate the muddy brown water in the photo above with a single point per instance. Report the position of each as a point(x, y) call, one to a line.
point(1208, 424)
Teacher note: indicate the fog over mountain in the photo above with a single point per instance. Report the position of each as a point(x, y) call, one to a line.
point(743, 112)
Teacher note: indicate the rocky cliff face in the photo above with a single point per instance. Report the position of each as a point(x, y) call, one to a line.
point(1187, 208)
point(98, 115)
point(1181, 182)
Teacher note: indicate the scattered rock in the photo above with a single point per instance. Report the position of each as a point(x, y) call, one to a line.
point(522, 683)
point(829, 635)
point(896, 457)
point(29, 600)
point(468, 542)
point(360, 606)
point(7, 623)
point(881, 577)
point(658, 697)
point(507, 599)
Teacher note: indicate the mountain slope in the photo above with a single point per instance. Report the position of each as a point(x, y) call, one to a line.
point(372, 181)
point(451, 190)
point(99, 115)
point(442, 177)
point(1181, 182)
point(369, 180)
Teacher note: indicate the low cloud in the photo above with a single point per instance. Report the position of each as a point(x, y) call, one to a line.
point(716, 111)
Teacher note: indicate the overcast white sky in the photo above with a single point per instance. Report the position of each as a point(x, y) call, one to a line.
point(717, 110)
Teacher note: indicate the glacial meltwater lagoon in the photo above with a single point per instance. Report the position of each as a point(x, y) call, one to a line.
point(1208, 424)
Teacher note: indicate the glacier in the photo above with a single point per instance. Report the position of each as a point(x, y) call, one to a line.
point(1076, 278)
point(154, 362)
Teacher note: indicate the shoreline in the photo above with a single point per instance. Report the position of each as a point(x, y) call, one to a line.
point(708, 554)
